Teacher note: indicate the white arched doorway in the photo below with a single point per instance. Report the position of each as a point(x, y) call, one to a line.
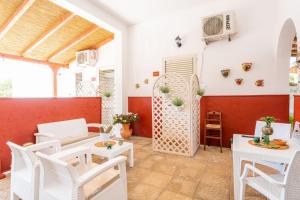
point(283, 57)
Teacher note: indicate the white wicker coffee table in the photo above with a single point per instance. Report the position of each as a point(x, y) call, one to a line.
point(115, 151)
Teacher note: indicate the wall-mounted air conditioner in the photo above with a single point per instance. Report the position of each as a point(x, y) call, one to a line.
point(86, 58)
point(217, 27)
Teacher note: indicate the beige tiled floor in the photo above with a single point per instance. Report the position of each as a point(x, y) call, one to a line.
point(159, 176)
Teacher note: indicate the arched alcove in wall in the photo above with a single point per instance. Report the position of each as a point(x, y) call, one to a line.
point(283, 52)
point(283, 57)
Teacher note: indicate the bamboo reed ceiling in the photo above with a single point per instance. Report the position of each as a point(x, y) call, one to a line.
point(41, 30)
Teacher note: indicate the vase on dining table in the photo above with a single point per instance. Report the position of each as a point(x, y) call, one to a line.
point(267, 131)
point(126, 131)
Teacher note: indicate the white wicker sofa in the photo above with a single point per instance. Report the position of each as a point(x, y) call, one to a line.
point(70, 132)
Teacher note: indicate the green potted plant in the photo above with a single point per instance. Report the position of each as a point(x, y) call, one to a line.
point(125, 120)
point(267, 130)
point(178, 103)
point(199, 94)
point(107, 94)
point(164, 90)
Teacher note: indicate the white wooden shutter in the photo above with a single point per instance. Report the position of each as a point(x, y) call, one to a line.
point(106, 81)
point(181, 65)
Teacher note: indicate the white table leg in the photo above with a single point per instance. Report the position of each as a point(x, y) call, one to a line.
point(131, 158)
point(236, 174)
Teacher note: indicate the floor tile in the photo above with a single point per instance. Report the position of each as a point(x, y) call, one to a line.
point(182, 186)
point(157, 179)
point(143, 192)
point(168, 195)
point(213, 192)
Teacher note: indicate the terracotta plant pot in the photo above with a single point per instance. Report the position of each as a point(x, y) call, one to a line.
point(246, 66)
point(126, 132)
point(225, 72)
point(238, 81)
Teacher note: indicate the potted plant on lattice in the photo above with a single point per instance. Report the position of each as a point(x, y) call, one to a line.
point(178, 103)
point(165, 91)
point(267, 130)
point(107, 94)
point(126, 120)
point(199, 94)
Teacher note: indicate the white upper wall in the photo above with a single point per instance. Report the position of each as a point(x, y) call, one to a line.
point(259, 25)
point(107, 56)
point(257, 22)
point(137, 11)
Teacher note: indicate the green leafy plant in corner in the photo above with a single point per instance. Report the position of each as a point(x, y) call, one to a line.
point(107, 94)
point(291, 119)
point(164, 89)
point(200, 92)
point(177, 102)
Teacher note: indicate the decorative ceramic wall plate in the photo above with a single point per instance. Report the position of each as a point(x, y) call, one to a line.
point(225, 72)
point(238, 81)
point(260, 83)
point(247, 66)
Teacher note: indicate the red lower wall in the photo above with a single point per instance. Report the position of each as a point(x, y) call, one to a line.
point(142, 106)
point(239, 112)
point(19, 117)
point(297, 108)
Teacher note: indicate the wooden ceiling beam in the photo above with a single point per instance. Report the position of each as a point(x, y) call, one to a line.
point(12, 20)
point(106, 40)
point(59, 24)
point(73, 42)
point(20, 58)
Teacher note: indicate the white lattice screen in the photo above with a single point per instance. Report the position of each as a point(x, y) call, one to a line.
point(175, 131)
point(107, 84)
point(85, 89)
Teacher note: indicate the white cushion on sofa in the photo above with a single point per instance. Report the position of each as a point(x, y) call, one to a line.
point(63, 129)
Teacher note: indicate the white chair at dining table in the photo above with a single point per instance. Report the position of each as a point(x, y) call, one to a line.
point(296, 132)
point(280, 131)
point(275, 186)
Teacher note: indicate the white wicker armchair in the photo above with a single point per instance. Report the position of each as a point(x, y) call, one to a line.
point(276, 186)
point(62, 181)
point(25, 169)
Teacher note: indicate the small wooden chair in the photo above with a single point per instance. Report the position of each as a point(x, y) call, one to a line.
point(213, 127)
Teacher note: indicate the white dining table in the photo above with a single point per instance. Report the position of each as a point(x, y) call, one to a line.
point(242, 150)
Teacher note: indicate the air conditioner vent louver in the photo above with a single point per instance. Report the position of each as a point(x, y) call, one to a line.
point(213, 25)
point(219, 26)
point(86, 58)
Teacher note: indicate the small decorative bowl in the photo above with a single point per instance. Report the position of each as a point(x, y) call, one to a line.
point(256, 139)
point(225, 72)
point(259, 83)
point(108, 146)
point(246, 66)
point(238, 81)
